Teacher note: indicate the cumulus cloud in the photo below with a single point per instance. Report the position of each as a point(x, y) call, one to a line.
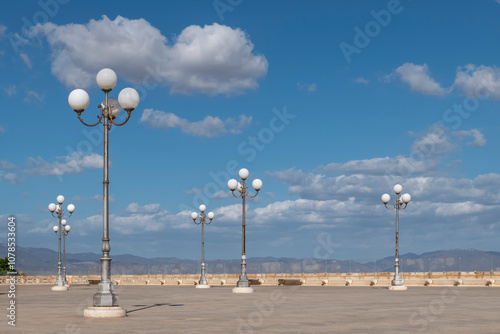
point(477, 81)
point(72, 164)
point(208, 127)
point(477, 137)
point(418, 78)
point(213, 59)
point(436, 142)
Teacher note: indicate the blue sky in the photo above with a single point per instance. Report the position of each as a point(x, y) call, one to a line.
point(329, 103)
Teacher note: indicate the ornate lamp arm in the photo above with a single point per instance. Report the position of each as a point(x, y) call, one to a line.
point(79, 112)
point(129, 111)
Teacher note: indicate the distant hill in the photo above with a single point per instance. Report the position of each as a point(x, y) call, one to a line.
point(43, 261)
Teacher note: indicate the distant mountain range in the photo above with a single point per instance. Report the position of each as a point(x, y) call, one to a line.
point(43, 261)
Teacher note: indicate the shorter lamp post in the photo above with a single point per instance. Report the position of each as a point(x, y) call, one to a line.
point(65, 232)
point(203, 283)
point(58, 212)
point(243, 284)
point(400, 203)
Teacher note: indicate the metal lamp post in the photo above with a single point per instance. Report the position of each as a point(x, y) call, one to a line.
point(65, 232)
point(58, 212)
point(203, 283)
point(243, 284)
point(105, 300)
point(400, 203)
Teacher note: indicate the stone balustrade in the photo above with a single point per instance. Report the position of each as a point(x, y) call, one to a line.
point(449, 278)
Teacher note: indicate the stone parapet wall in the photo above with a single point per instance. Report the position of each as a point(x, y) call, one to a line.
point(448, 278)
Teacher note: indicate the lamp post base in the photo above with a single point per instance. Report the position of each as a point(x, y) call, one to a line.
point(59, 288)
point(202, 286)
point(240, 289)
point(104, 312)
point(398, 287)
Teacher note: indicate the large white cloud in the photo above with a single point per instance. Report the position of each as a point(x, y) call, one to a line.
point(214, 59)
point(208, 127)
point(478, 81)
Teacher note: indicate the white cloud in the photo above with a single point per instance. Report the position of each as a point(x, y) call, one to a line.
point(149, 208)
point(362, 80)
point(34, 96)
point(381, 166)
point(26, 59)
point(436, 142)
point(418, 78)
point(7, 165)
point(478, 81)
point(72, 164)
point(221, 194)
point(3, 30)
point(208, 127)
point(13, 178)
point(214, 59)
point(11, 90)
point(311, 87)
point(477, 136)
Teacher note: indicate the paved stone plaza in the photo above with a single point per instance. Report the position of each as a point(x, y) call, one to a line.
point(284, 309)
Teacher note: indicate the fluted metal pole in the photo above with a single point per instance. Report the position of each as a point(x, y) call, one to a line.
point(243, 282)
point(105, 295)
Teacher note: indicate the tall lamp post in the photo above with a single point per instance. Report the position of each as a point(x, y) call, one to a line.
point(58, 212)
point(105, 302)
point(203, 283)
point(65, 231)
point(400, 203)
point(243, 284)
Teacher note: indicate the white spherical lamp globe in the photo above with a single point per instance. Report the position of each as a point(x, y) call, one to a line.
point(386, 198)
point(406, 198)
point(52, 207)
point(240, 187)
point(71, 208)
point(78, 100)
point(55, 228)
point(397, 189)
point(232, 184)
point(194, 215)
point(257, 184)
point(106, 79)
point(128, 98)
point(202, 207)
point(58, 208)
point(211, 215)
point(64, 222)
point(60, 199)
point(67, 228)
point(243, 173)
